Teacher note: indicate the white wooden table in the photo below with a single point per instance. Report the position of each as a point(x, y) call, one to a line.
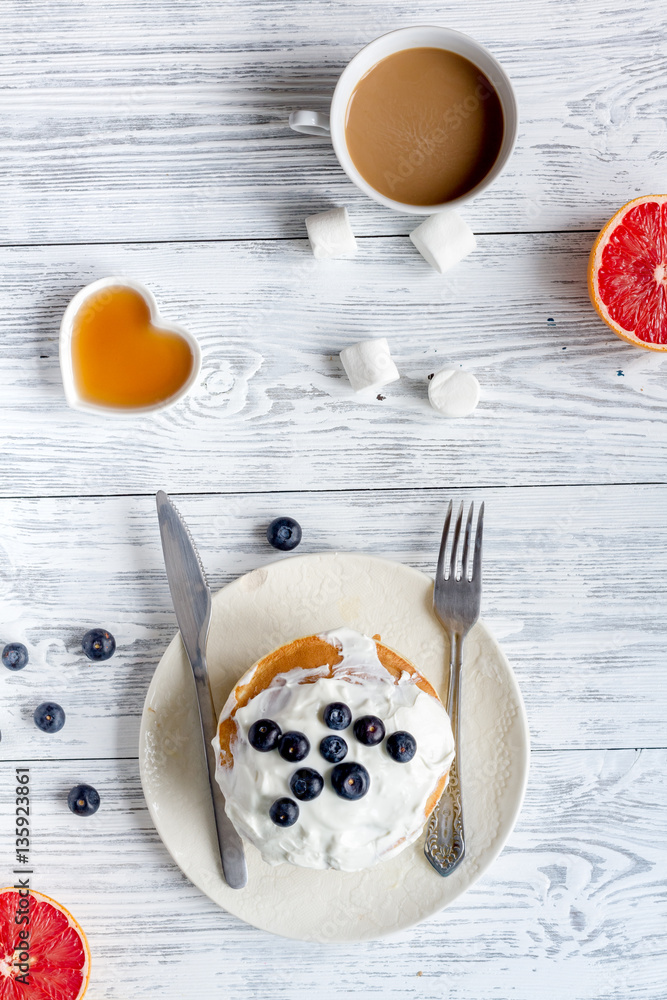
point(149, 138)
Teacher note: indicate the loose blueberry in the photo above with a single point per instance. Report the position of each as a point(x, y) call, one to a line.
point(84, 800)
point(49, 717)
point(15, 656)
point(333, 748)
point(284, 812)
point(350, 781)
point(401, 746)
point(293, 746)
point(337, 715)
point(98, 644)
point(264, 735)
point(284, 533)
point(306, 784)
point(369, 730)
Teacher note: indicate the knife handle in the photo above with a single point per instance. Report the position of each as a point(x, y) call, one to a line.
point(231, 846)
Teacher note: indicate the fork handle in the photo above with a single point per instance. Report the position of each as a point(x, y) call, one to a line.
point(445, 843)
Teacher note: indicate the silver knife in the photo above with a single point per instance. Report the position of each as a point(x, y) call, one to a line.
point(192, 604)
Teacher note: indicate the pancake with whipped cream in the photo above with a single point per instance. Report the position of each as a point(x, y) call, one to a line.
point(332, 752)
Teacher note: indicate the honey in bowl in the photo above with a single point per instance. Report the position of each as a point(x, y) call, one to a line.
point(120, 358)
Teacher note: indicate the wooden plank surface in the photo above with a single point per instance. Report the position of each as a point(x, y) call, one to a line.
point(145, 120)
point(563, 399)
point(574, 907)
point(149, 139)
point(574, 588)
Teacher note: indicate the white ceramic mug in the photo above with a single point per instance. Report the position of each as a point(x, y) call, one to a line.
point(425, 36)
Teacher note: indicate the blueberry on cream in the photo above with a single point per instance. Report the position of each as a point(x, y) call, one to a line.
point(264, 735)
point(369, 730)
point(284, 812)
point(337, 715)
point(401, 747)
point(350, 780)
point(333, 749)
point(306, 784)
point(294, 746)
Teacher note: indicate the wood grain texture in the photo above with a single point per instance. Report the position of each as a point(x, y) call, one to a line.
point(574, 907)
point(563, 399)
point(167, 119)
point(574, 588)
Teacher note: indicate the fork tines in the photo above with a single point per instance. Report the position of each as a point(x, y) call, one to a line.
point(452, 568)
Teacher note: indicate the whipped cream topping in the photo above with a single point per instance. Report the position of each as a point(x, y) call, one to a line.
point(332, 832)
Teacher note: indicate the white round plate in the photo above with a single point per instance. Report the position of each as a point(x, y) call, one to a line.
point(302, 595)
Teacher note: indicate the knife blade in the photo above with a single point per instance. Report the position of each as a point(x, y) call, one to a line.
point(192, 603)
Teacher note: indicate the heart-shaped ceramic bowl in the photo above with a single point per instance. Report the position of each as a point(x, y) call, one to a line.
point(72, 393)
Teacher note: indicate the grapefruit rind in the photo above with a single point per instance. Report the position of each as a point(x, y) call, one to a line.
point(53, 988)
point(595, 260)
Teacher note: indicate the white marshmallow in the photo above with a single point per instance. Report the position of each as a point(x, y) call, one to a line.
point(444, 239)
point(369, 365)
point(330, 234)
point(453, 392)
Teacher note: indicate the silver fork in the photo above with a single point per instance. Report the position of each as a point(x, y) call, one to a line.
point(456, 602)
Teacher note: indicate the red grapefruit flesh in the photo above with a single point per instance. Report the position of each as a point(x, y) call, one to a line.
point(56, 963)
point(627, 274)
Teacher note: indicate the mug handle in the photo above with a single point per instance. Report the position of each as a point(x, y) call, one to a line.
point(310, 122)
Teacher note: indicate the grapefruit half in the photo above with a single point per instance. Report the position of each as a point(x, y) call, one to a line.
point(627, 272)
point(56, 963)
